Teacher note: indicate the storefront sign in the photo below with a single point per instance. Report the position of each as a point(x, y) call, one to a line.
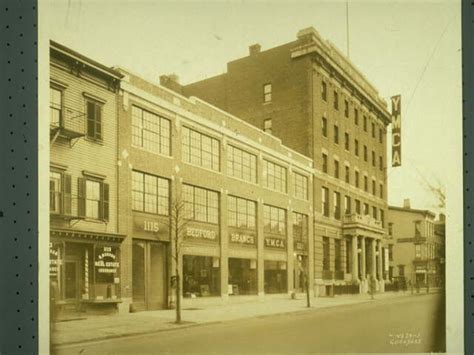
point(151, 227)
point(396, 131)
point(300, 246)
point(54, 259)
point(242, 238)
point(275, 243)
point(199, 233)
point(106, 261)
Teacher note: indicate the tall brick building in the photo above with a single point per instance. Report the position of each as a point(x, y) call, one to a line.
point(313, 98)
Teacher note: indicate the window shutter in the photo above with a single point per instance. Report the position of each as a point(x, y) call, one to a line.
point(90, 119)
point(105, 202)
point(98, 121)
point(81, 197)
point(66, 195)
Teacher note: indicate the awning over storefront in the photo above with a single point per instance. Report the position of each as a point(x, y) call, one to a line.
point(71, 234)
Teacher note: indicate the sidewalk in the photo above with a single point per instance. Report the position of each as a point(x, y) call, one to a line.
point(106, 327)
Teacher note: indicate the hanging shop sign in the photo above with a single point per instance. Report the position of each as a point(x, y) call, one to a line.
point(106, 261)
point(242, 238)
point(275, 243)
point(199, 233)
point(396, 131)
point(299, 245)
point(54, 259)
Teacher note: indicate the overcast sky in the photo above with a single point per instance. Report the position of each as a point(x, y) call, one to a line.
point(412, 48)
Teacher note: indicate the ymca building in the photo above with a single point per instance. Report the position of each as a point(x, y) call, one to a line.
point(281, 178)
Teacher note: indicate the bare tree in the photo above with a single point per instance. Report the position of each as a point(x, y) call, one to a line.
point(178, 228)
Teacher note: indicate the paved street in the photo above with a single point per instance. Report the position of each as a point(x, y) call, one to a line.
point(391, 325)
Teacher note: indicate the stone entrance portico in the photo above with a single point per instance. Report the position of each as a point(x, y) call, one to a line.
point(365, 234)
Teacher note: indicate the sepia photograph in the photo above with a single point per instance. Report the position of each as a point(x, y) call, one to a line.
point(250, 177)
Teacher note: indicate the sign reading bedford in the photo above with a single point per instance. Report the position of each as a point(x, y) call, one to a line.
point(396, 131)
point(199, 233)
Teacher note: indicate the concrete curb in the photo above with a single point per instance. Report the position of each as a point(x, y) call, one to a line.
point(126, 335)
point(197, 324)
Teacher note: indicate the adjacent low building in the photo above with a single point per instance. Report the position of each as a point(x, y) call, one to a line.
point(417, 246)
point(85, 243)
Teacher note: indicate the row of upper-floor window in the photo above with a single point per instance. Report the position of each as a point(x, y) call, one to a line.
point(351, 205)
point(428, 251)
point(152, 132)
point(365, 118)
point(151, 194)
point(356, 145)
point(418, 231)
point(356, 181)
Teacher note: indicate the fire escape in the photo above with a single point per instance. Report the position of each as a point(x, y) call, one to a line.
point(70, 126)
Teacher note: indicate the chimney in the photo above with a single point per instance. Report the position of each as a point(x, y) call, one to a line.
point(442, 217)
point(171, 82)
point(254, 49)
point(406, 203)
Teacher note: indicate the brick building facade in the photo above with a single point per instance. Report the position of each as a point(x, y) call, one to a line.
point(311, 97)
point(248, 198)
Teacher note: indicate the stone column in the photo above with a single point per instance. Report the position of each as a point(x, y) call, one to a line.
point(380, 266)
point(362, 258)
point(355, 259)
point(373, 252)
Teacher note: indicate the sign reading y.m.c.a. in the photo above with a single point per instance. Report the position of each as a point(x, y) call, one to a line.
point(396, 131)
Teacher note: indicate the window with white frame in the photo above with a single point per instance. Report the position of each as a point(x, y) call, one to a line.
point(241, 212)
point(241, 164)
point(150, 131)
point(300, 185)
point(201, 204)
point(267, 93)
point(274, 220)
point(150, 193)
point(200, 149)
point(55, 106)
point(274, 176)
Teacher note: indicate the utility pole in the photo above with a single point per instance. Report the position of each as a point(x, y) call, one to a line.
point(347, 29)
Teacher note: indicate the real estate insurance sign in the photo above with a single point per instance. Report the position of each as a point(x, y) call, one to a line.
point(396, 131)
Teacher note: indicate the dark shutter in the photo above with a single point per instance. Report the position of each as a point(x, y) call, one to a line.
point(81, 197)
point(105, 202)
point(66, 195)
point(98, 121)
point(90, 119)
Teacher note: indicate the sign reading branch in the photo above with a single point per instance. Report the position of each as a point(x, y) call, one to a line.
point(396, 131)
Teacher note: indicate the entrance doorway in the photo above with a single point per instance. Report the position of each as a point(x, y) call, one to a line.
point(300, 265)
point(149, 275)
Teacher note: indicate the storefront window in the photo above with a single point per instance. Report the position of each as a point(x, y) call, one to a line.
point(275, 276)
point(107, 271)
point(201, 276)
point(242, 276)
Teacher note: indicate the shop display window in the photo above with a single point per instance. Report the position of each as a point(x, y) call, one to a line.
point(275, 276)
point(201, 276)
point(242, 277)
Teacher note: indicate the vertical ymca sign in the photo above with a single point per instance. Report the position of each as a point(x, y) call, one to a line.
point(396, 131)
